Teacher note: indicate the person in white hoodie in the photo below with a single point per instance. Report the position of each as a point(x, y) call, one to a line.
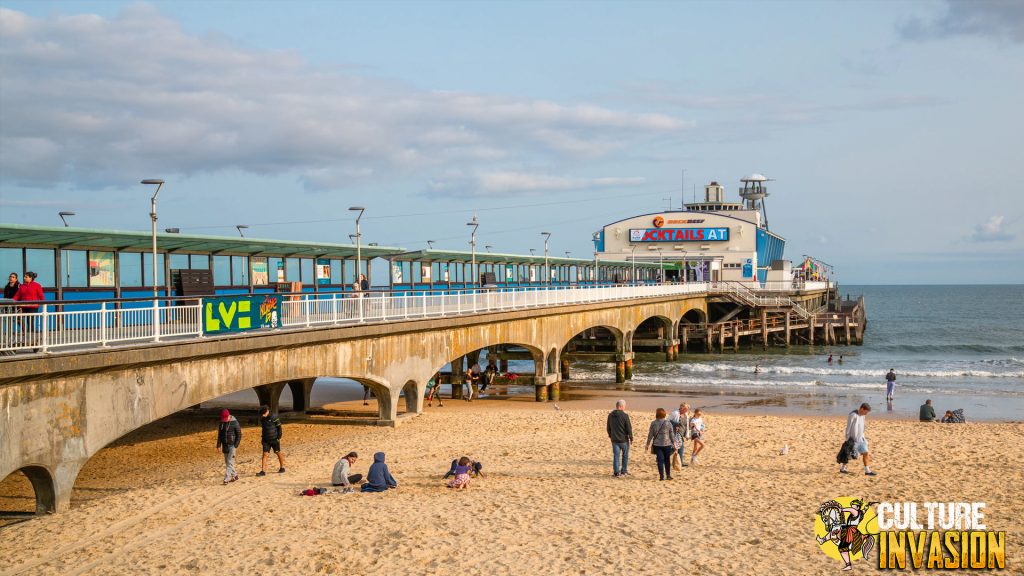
point(855, 433)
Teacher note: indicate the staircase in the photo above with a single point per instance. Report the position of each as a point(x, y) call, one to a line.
point(743, 295)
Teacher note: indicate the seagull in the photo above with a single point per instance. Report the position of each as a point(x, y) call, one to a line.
point(784, 451)
point(556, 407)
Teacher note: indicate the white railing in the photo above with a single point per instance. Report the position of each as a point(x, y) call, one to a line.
point(52, 328)
point(48, 328)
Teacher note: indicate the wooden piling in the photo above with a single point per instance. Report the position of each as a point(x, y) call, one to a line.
point(620, 372)
point(683, 338)
point(846, 324)
point(735, 337)
point(629, 369)
point(554, 392)
point(810, 330)
point(764, 328)
point(787, 328)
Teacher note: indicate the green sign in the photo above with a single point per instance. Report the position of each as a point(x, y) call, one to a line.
point(241, 313)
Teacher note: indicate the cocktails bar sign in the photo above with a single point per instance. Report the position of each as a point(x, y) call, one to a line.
point(679, 235)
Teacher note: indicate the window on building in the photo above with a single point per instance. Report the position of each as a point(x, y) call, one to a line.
point(239, 270)
point(130, 265)
point(222, 270)
point(74, 273)
point(40, 261)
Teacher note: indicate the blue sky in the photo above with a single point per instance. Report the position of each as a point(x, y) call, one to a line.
point(892, 129)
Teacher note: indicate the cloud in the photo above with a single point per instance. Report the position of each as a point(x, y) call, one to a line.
point(498, 183)
point(991, 231)
point(96, 102)
point(1000, 19)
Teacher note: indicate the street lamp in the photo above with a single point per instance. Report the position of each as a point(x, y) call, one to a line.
point(661, 266)
point(547, 269)
point(632, 259)
point(597, 271)
point(172, 230)
point(472, 242)
point(533, 252)
point(430, 244)
point(488, 248)
point(63, 219)
point(359, 241)
point(241, 227)
point(159, 184)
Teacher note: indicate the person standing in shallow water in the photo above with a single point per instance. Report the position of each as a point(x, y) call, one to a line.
point(890, 383)
point(660, 440)
point(620, 432)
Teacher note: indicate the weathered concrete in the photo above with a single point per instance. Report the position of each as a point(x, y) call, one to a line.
point(57, 411)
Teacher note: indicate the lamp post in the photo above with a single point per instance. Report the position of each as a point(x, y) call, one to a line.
point(488, 248)
point(472, 242)
point(359, 241)
point(632, 259)
point(430, 244)
point(241, 227)
point(159, 184)
point(597, 271)
point(63, 215)
point(172, 230)
point(533, 251)
point(67, 265)
point(547, 269)
point(661, 266)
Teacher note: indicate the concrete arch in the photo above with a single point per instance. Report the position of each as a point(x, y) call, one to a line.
point(551, 365)
point(43, 487)
point(537, 355)
point(693, 316)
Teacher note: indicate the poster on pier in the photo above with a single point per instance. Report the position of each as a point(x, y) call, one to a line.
point(260, 272)
point(101, 269)
point(425, 271)
point(323, 271)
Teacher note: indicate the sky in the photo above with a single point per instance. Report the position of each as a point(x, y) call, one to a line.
point(892, 130)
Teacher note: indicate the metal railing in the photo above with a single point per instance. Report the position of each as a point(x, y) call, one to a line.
point(53, 327)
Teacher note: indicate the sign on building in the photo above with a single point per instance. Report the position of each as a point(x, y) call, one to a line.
point(679, 235)
point(240, 313)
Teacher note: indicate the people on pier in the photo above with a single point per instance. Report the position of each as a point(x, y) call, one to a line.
point(229, 436)
point(29, 291)
point(341, 477)
point(890, 383)
point(928, 412)
point(681, 428)
point(855, 434)
point(620, 432)
point(697, 429)
point(661, 443)
point(270, 436)
point(11, 288)
point(364, 284)
point(379, 478)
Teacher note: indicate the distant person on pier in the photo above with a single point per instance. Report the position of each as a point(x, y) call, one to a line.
point(620, 432)
point(890, 383)
point(379, 478)
point(341, 477)
point(661, 443)
point(697, 434)
point(855, 434)
point(29, 291)
point(270, 437)
point(927, 412)
point(355, 290)
point(364, 284)
point(229, 436)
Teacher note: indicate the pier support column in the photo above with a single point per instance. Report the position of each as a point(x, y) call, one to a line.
point(846, 324)
point(810, 330)
point(735, 337)
point(787, 329)
point(458, 376)
point(764, 328)
point(565, 367)
point(554, 393)
point(721, 338)
point(629, 369)
point(620, 371)
point(683, 338)
point(270, 395)
point(300, 394)
point(540, 392)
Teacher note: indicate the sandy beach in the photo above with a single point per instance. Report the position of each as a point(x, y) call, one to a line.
point(154, 502)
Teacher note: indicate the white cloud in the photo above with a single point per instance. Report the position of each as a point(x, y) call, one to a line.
point(501, 182)
point(94, 102)
point(991, 231)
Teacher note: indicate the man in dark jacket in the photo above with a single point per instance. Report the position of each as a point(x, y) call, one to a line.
point(229, 436)
point(620, 432)
point(270, 435)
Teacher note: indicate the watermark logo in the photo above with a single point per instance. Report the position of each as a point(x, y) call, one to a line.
point(846, 529)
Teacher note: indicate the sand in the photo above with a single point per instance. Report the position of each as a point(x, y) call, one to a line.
point(154, 502)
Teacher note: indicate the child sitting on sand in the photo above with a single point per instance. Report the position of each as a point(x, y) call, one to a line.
point(697, 433)
point(475, 467)
point(379, 478)
point(461, 469)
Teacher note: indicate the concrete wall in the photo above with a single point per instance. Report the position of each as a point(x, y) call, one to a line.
point(57, 411)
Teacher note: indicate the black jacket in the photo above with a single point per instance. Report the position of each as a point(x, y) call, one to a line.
point(10, 291)
point(270, 427)
point(620, 428)
point(229, 434)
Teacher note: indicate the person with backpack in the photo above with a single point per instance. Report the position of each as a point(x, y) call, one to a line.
point(229, 436)
point(270, 436)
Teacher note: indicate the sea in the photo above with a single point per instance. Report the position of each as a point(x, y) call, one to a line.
point(960, 346)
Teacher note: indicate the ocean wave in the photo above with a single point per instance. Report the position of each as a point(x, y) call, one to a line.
point(950, 348)
point(708, 368)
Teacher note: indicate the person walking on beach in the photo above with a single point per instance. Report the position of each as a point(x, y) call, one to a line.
point(270, 436)
point(660, 442)
point(229, 436)
point(890, 383)
point(928, 412)
point(341, 477)
point(681, 428)
point(435, 390)
point(697, 434)
point(855, 433)
point(620, 432)
point(366, 395)
point(379, 478)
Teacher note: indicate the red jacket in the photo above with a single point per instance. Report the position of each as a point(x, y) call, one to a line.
point(30, 292)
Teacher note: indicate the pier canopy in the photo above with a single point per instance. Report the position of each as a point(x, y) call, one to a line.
point(424, 269)
point(87, 263)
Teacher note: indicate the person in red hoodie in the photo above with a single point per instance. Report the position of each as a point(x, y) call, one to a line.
point(30, 291)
